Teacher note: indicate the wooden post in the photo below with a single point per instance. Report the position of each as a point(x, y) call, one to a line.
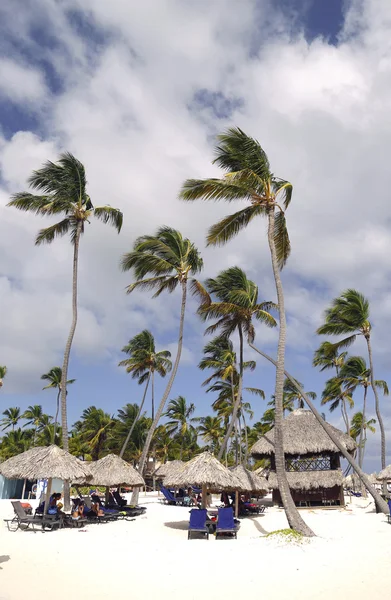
point(48, 494)
point(107, 495)
point(204, 492)
point(236, 503)
point(24, 488)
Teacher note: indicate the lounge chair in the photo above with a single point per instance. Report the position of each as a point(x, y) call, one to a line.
point(169, 498)
point(116, 501)
point(23, 521)
point(226, 523)
point(197, 523)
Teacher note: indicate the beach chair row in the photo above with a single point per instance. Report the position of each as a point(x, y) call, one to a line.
point(200, 524)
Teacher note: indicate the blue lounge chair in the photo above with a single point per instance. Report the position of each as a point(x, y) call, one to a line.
point(197, 522)
point(225, 522)
point(169, 497)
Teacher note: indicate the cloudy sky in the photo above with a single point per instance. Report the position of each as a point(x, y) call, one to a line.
point(138, 92)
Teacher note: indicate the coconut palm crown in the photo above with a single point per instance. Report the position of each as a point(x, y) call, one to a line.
point(247, 177)
point(3, 373)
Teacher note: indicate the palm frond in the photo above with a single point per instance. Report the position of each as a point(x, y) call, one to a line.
point(223, 231)
point(237, 151)
point(213, 189)
point(281, 239)
point(30, 203)
point(47, 235)
point(107, 214)
point(285, 189)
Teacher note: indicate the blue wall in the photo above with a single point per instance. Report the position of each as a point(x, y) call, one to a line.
point(10, 488)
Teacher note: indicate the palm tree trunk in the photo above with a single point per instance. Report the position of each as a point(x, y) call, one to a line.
point(238, 398)
point(166, 391)
point(377, 405)
point(126, 442)
point(361, 439)
point(64, 374)
point(381, 505)
point(343, 407)
point(245, 441)
point(153, 416)
point(56, 417)
point(292, 514)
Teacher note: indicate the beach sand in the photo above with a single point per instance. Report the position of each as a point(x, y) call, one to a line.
point(152, 558)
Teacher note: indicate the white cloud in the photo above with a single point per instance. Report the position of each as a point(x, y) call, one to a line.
point(20, 83)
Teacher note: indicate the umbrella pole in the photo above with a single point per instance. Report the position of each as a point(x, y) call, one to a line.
point(204, 493)
point(107, 496)
point(48, 494)
point(236, 503)
point(24, 488)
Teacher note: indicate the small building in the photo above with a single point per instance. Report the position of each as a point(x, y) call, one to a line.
point(312, 461)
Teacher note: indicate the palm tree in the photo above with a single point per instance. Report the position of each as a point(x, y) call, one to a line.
point(166, 446)
point(359, 425)
point(349, 313)
point(236, 307)
point(292, 395)
point(46, 431)
point(211, 431)
point(35, 416)
point(355, 374)
point(3, 373)
point(15, 442)
point(181, 421)
point(95, 427)
point(248, 177)
point(11, 418)
point(327, 356)
point(79, 447)
point(335, 395)
point(54, 376)
point(63, 187)
point(168, 259)
point(142, 363)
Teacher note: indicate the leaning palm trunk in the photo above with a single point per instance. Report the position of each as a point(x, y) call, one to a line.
point(377, 406)
point(292, 514)
point(166, 392)
point(361, 439)
point(126, 442)
point(237, 400)
point(245, 441)
point(64, 374)
point(381, 505)
point(56, 417)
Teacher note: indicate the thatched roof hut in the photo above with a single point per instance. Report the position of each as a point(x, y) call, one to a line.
point(302, 435)
point(46, 462)
point(385, 474)
point(113, 471)
point(204, 471)
point(169, 468)
point(250, 481)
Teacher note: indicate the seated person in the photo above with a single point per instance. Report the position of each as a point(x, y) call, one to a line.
point(224, 498)
point(78, 509)
point(189, 499)
point(97, 509)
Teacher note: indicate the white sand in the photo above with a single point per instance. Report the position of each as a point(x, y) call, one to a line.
point(152, 558)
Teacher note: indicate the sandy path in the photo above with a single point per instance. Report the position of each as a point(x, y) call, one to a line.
point(151, 557)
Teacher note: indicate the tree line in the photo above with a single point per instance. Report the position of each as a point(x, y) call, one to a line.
point(166, 261)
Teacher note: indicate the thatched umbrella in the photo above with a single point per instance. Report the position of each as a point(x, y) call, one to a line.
point(113, 471)
point(250, 481)
point(169, 468)
point(45, 462)
point(385, 474)
point(206, 472)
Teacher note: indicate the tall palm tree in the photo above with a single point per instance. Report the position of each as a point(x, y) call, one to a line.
point(142, 363)
point(355, 374)
point(292, 395)
point(15, 442)
point(54, 376)
point(248, 177)
point(327, 356)
point(166, 446)
point(162, 262)
point(211, 431)
point(12, 417)
point(349, 314)
point(36, 417)
point(63, 186)
point(3, 373)
point(179, 413)
point(236, 306)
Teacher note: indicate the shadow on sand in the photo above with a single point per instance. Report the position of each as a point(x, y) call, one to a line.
point(257, 525)
point(4, 558)
point(180, 525)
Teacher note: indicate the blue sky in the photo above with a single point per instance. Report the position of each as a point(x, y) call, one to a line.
point(139, 96)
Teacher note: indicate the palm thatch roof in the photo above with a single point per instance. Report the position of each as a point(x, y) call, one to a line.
point(112, 471)
point(44, 463)
point(309, 480)
point(204, 470)
point(168, 468)
point(250, 481)
point(385, 473)
point(302, 435)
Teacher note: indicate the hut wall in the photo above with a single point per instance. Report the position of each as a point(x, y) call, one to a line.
point(318, 497)
point(10, 488)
